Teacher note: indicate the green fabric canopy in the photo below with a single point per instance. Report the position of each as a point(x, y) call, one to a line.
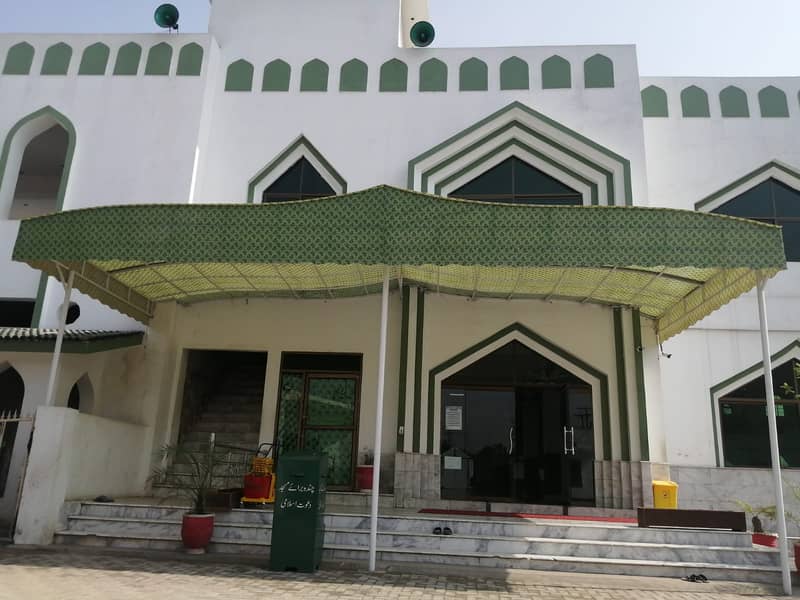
point(675, 266)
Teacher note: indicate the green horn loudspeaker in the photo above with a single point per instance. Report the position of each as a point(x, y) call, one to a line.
point(166, 16)
point(422, 34)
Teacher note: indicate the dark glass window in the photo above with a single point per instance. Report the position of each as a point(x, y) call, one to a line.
point(300, 182)
point(770, 202)
point(515, 181)
point(743, 417)
point(16, 313)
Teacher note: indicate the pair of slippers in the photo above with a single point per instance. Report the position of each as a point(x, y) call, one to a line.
point(440, 531)
point(699, 578)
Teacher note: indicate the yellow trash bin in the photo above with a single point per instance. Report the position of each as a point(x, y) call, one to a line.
point(665, 494)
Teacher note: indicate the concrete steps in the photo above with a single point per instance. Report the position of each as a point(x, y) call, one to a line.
point(503, 543)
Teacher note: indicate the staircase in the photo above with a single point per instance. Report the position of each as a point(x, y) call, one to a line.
point(579, 546)
point(232, 412)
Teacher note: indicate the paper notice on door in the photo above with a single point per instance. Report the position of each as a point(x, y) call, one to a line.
point(452, 463)
point(453, 418)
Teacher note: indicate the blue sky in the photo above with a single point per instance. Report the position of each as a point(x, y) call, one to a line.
point(675, 37)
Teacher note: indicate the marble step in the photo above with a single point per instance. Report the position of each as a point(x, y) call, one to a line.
point(716, 572)
point(451, 544)
point(417, 524)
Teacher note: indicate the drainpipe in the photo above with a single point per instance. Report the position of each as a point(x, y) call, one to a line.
point(55, 364)
point(773, 439)
point(376, 469)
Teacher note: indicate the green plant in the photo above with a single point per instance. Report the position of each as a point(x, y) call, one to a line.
point(198, 481)
point(367, 457)
point(771, 512)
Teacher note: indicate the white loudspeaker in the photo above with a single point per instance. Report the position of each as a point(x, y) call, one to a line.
point(416, 30)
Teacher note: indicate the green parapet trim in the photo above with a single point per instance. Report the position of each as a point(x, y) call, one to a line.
point(475, 165)
point(622, 387)
point(654, 102)
point(159, 60)
point(190, 60)
point(314, 76)
point(598, 72)
point(626, 165)
point(94, 60)
point(60, 119)
point(277, 76)
point(433, 76)
point(239, 77)
point(641, 394)
point(19, 59)
point(353, 76)
point(279, 160)
point(514, 74)
point(772, 102)
point(128, 58)
point(401, 384)
point(605, 413)
point(94, 346)
point(556, 73)
point(694, 102)
point(394, 76)
point(733, 102)
point(418, 347)
point(609, 176)
point(744, 376)
point(56, 59)
point(473, 76)
point(701, 204)
point(38, 305)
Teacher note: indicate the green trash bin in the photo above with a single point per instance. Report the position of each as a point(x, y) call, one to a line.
point(297, 523)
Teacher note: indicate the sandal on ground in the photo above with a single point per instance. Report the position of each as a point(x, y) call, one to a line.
point(437, 531)
point(447, 531)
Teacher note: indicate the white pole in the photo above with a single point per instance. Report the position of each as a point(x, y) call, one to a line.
point(376, 469)
point(55, 363)
point(773, 440)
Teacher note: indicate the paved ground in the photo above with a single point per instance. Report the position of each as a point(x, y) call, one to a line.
point(80, 575)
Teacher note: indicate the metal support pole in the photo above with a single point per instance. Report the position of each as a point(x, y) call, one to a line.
point(55, 363)
point(376, 469)
point(773, 440)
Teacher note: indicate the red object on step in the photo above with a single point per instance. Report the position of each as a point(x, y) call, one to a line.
point(257, 488)
point(196, 531)
point(364, 477)
point(797, 557)
point(770, 540)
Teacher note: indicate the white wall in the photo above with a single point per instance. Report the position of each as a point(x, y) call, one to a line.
point(74, 457)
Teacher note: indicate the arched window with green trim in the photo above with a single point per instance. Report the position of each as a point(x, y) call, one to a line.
point(190, 60)
point(598, 72)
point(514, 74)
point(159, 60)
point(56, 59)
point(394, 76)
point(301, 181)
point(19, 59)
point(654, 102)
point(314, 76)
point(94, 60)
point(556, 73)
point(473, 76)
point(239, 77)
point(277, 76)
point(772, 102)
point(733, 102)
point(128, 58)
point(433, 76)
point(694, 102)
point(353, 76)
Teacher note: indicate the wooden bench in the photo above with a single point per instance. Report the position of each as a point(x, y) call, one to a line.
point(706, 519)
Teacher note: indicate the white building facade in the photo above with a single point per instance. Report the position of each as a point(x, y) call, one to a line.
point(528, 394)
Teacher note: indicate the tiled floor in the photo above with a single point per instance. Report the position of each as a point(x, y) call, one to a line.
point(51, 574)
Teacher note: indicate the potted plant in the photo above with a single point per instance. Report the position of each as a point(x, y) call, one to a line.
point(364, 470)
point(770, 512)
point(196, 485)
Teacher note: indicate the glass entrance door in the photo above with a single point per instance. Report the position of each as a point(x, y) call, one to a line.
point(579, 446)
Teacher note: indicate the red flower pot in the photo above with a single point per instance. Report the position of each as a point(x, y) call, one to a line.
point(765, 539)
point(196, 532)
point(797, 557)
point(364, 477)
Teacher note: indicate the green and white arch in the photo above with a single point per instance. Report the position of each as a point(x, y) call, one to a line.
point(772, 170)
point(299, 148)
point(602, 176)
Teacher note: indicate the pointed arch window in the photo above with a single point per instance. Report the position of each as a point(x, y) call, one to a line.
point(301, 181)
point(515, 181)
